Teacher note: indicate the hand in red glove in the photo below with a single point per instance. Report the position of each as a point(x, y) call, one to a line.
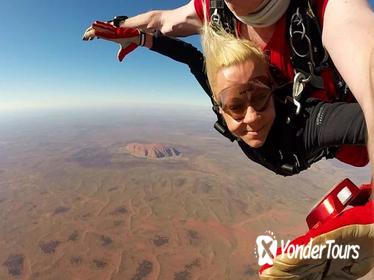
point(345, 227)
point(128, 38)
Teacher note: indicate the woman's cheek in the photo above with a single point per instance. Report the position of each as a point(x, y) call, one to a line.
point(232, 125)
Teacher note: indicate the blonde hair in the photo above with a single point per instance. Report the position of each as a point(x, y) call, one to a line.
point(222, 49)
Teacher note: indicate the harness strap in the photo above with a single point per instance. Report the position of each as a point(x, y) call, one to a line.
point(308, 55)
point(220, 124)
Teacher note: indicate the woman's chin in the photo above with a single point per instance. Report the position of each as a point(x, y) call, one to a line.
point(254, 143)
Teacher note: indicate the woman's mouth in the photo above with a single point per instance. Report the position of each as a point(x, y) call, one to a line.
point(255, 132)
point(252, 133)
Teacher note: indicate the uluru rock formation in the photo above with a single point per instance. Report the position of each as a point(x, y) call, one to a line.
point(152, 151)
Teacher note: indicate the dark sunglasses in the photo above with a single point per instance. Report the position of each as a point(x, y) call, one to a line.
point(235, 100)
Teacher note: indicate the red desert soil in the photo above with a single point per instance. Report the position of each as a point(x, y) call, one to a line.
point(152, 151)
point(76, 204)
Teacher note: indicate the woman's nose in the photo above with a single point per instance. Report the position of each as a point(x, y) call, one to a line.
point(251, 116)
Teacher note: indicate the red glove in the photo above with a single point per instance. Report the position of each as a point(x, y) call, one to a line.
point(128, 38)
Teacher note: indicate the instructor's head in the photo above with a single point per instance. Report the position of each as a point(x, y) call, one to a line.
point(241, 85)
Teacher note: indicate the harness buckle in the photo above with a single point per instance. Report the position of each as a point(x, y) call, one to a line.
point(297, 88)
point(215, 18)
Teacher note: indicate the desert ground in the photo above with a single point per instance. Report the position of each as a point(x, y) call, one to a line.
point(76, 204)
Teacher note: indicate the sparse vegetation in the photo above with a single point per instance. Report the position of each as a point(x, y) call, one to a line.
point(143, 270)
point(49, 247)
point(105, 240)
point(61, 210)
point(14, 264)
point(74, 236)
point(99, 263)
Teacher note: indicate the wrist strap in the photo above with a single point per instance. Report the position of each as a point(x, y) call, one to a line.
point(117, 20)
point(142, 38)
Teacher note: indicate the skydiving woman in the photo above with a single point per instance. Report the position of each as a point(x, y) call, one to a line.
point(253, 100)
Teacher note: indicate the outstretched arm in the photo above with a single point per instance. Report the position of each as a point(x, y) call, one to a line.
point(130, 38)
point(179, 22)
point(348, 35)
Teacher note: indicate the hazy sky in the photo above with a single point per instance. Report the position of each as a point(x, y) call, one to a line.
point(44, 62)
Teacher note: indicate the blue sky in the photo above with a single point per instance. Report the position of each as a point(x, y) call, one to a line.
point(44, 62)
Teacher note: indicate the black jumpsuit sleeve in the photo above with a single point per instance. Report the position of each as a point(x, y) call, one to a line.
point(185, 53)
point(333, 124)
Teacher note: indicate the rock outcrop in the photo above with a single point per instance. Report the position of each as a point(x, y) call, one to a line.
point(152, 151)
